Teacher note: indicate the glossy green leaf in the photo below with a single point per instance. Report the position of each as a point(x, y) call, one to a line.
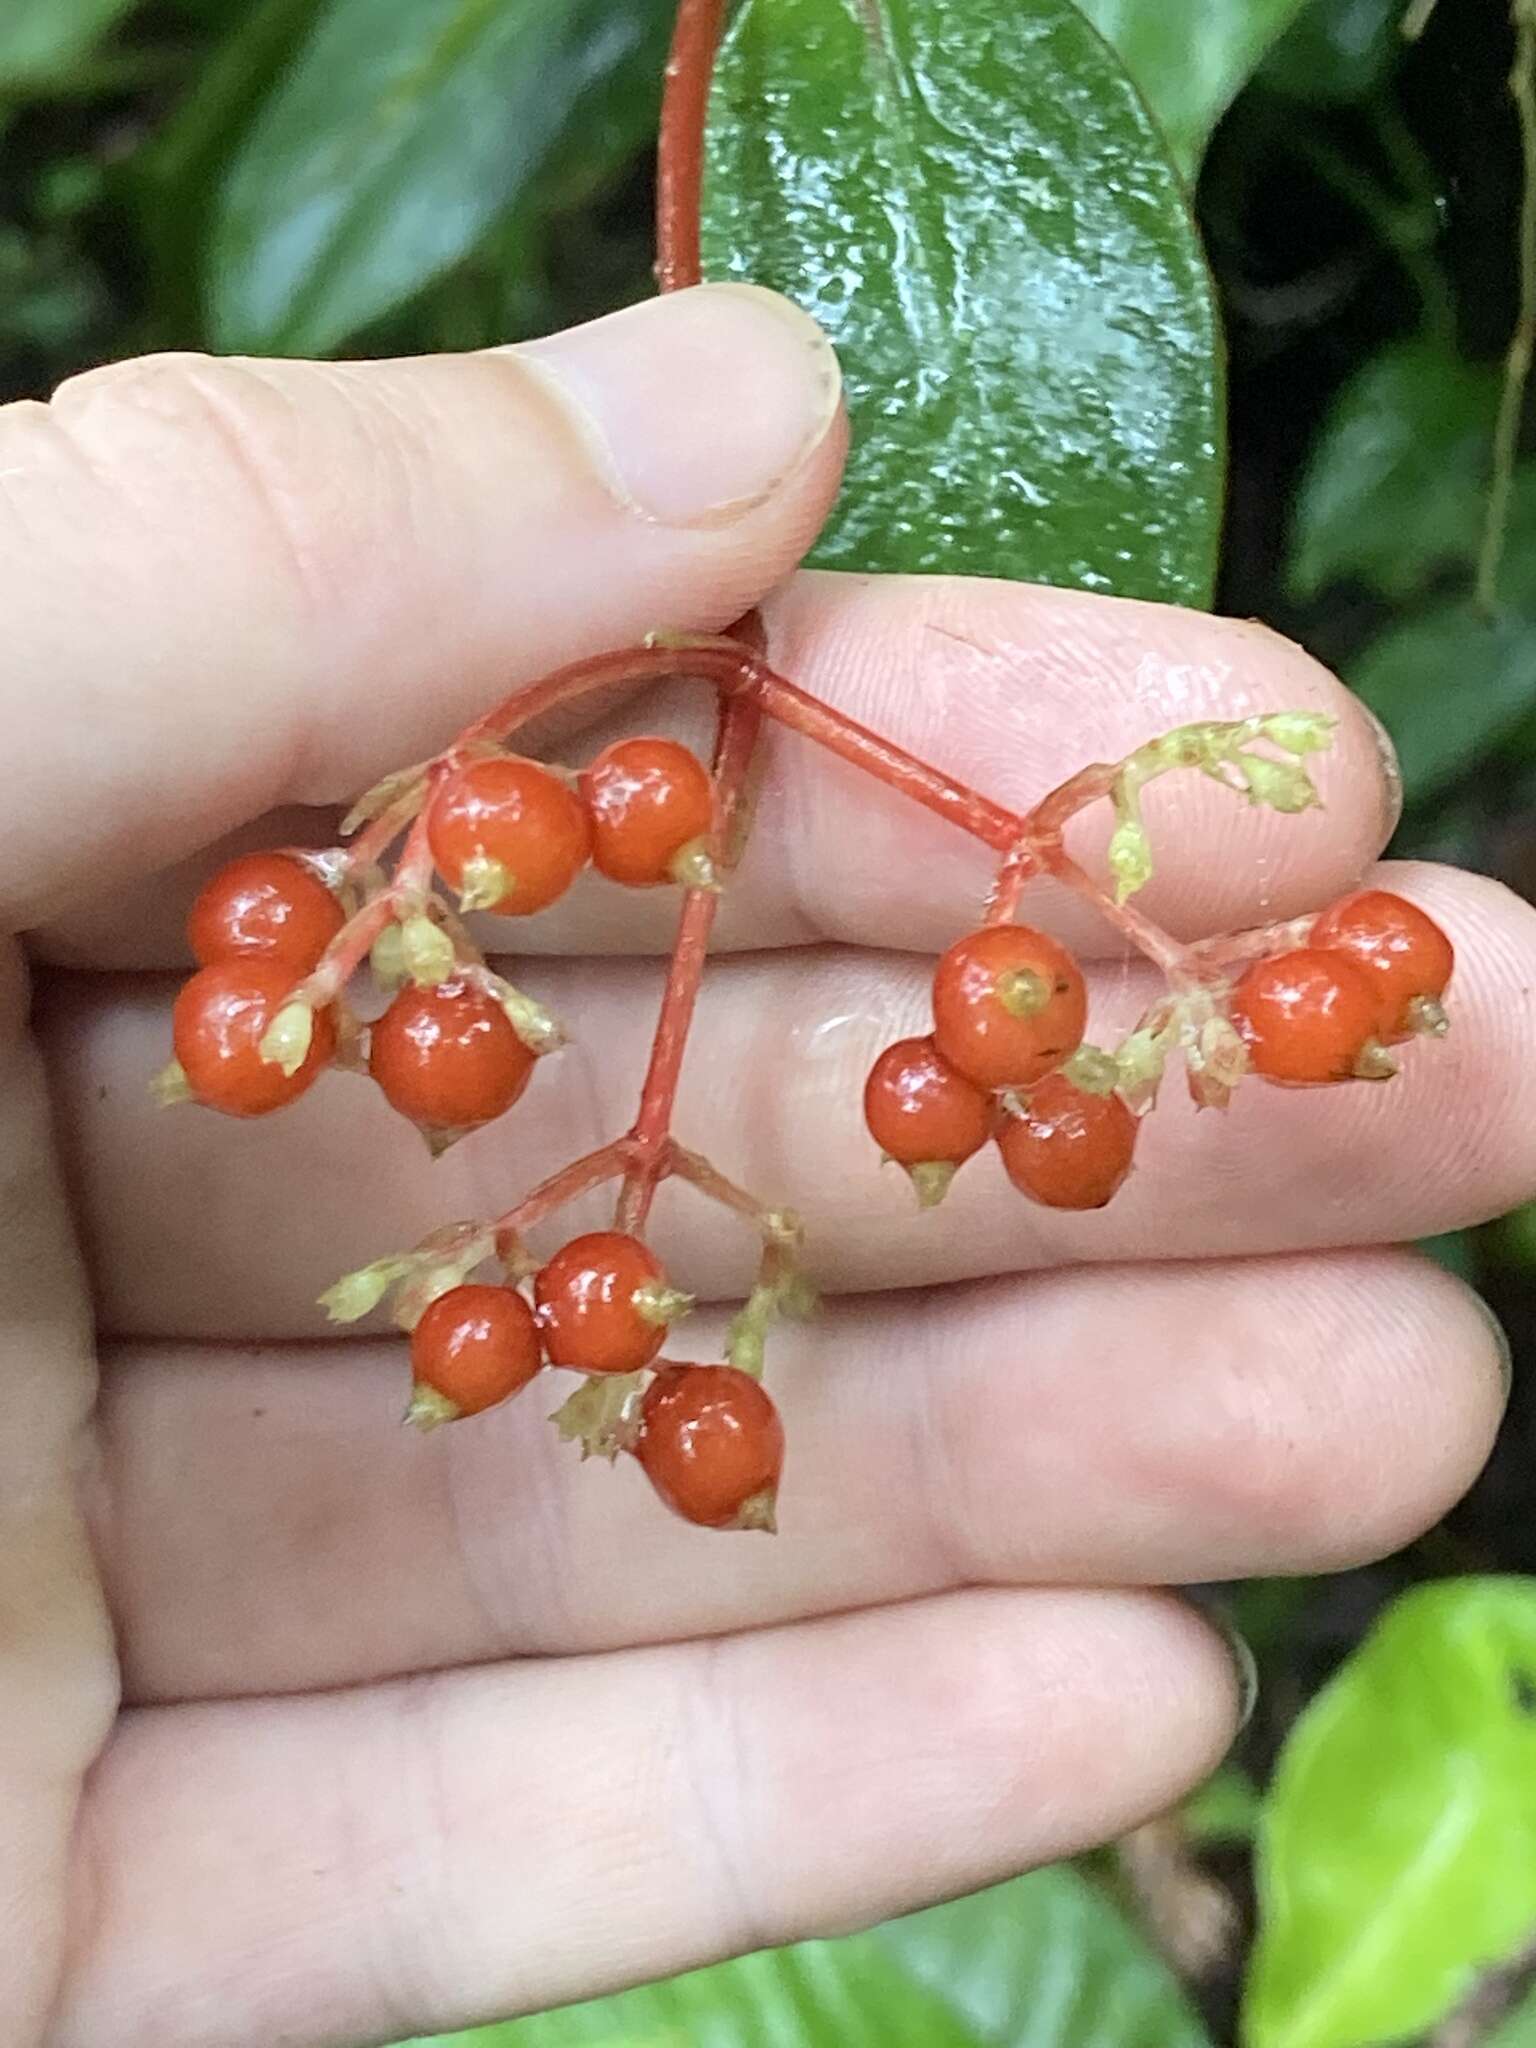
point(975, 204)
point(1043, 1962)
point(1447, 684)
point(1338, 50)
point(405, 128)
point(1399, 474)
point(1190, 61)
point(41, 39)
point(1397, 1852)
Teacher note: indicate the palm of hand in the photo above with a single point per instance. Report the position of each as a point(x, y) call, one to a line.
point(418, 1732)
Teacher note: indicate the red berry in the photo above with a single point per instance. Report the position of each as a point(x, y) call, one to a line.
point(924, 1115)
point(519, 816)
point(474, 1346)
point(1068, 1149)
point(447, 1057)
point(1008, 1005)
point(648, 799)
point(264, 906)
point(220, 1019)
point(712, 1445)
point(586, 1303)
point(1307, 1017)
point(1407, 956)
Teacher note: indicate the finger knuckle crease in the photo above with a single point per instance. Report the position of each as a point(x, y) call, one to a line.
point(218, 428)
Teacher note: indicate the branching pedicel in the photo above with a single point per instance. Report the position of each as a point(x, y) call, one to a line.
point(279, 937)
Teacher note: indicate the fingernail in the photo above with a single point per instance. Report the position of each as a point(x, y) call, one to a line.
point(1391, 772)
point(697, 406)
point(1247, 1671)
point(1503, 1353)
point(1208, 1603)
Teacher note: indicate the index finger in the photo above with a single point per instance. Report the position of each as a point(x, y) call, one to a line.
point(1011, 688)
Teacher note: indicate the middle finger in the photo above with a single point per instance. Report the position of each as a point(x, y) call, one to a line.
point(199, 1227)
point(264, 1527)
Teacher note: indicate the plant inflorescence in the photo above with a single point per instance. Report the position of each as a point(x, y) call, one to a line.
point(279, 938)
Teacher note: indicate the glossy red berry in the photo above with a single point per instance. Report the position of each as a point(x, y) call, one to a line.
point(473, 1346)
point(509, 834)
point(447, 1057)
point(924, 1115)
point(1309, 1017)
point(648, 800)
point(1406, 955)
point(712, 1445)
point(587, 1308)
point(1008, 1005)
point(1067, 1148)
point(220, 1019)
point(264, 906)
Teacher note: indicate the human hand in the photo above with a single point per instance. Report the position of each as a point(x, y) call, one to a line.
point(419, 1731)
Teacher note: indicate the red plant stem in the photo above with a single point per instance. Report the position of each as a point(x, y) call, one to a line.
point(1143, 934)
point(579, 1178)
point(1211, 957)
point(1056, 809)
point(680, 160)
point(735, 671)
point(651, 1129)
point(903, 772)
point(650, 1133)
point(694, 1168)
point(372, 842)
point(1013, 871)
point(408, 891)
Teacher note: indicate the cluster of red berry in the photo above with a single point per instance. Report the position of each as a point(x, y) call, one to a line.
point(509, 835)
point(1006, 1060)
point(278, 937)
point(707, 1436)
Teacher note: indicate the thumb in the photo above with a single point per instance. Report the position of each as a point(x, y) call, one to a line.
point(230, 584)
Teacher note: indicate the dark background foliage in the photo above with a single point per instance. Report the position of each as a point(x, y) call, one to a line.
point(1359, 201)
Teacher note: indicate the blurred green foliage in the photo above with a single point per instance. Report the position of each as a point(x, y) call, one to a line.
point(393, 175)
point(1395, 1850)
point(1044, 1962)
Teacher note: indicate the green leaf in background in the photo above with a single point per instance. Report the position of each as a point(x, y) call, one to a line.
point(1455, 1251)
point(1517, 2029)
point(174, 179)
point(1398, 479)
point(41, 39)
point(1447, 683)
point(1338, 50)
point(1190, 61)
point(1043, 1962)
point(403, 130)
point(976, 206)
point(1224, 1809)
point(1397, 1850)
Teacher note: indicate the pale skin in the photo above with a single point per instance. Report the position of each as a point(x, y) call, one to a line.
point(316, 1732)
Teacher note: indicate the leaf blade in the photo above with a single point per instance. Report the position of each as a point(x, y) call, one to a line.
point(1397, 1851)
point(982, 215)
point(1044, 1961)
point(1190, 64)
point(41, 39)
point(402, 131)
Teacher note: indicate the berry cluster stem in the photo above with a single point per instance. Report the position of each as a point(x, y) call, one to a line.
point(747, 690)
point(680, 159)
point(739, 724)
